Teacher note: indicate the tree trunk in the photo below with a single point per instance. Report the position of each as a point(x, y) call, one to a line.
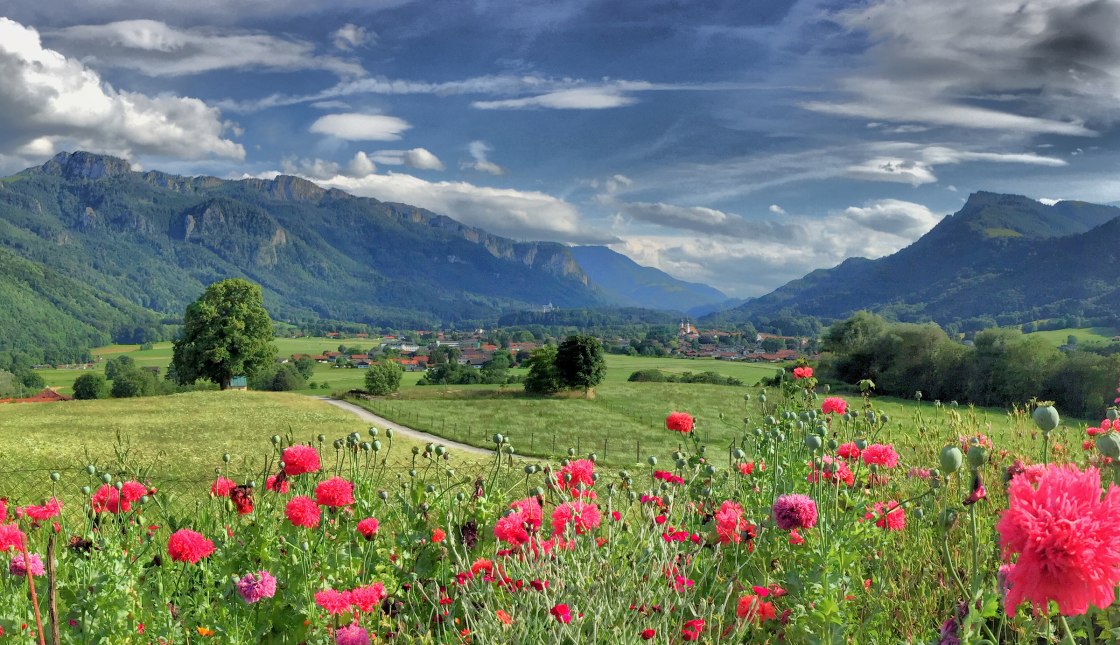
point(224, 385)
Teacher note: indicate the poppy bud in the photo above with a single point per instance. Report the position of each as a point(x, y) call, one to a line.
point(951, 459)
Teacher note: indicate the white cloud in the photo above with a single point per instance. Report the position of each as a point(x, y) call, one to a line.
point(50, 101)
point(360, 165)
point(331, 105)
point(418, 158)
point(350, 36)
point(893, 169)
point(523, 215)
point(749, 257)
point(586, 98)
point(480, 151)
point(777, 210)
point(421, 159)
point(154, 48)
point(361, 127)
point(215, 11)
point(1023, 68)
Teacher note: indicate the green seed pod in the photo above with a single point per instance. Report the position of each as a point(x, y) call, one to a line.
point(826, 388)
point(384, 495)
point(118, 485)
point(389, 433)
point(652, 461)
point(780, 437)
point(372, 432)
point(441, 450)
point(571, 452)
point(321, 438)
point(948, 518)
point(252, 483)
point(747, 397)
point(106, 477)
point(706, 492)
point(977, 456)
point(681, 463)
point(366, 446)
point(55, 476)
point(593, 457)
point(416, 450)
point(338, 443)
point(1112, 414)
point(762, 398)
point(885, 418)
point(951, 458)
point(226, 457)
point(1046, 418)
point(537, 492)
point(376, 446)
point(498, 438)
point(738, 454)
point(91, 469)
point(528, 470)
point(430, 447)
point(430, 488)
point(861, 443)
point(919, 513)
point(85, 490)
point(709, 470)
point(622, 474)
point(305, 545)
point(275, 439)
point(1109, 445)
point(833, 444)
point(564, 462)
point(412, 472)
point(459, 497)
point(813, 442)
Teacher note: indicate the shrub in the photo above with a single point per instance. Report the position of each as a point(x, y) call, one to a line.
point(90, 386)
point(383, 378)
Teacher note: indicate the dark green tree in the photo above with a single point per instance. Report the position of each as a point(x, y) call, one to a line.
point(306, 367)
point(133, 383)
point(288, 378)
point(118, 365)
point(580, 363)
point(90, 386)
point(383, 378)
point(542, 377)
point(226, 333)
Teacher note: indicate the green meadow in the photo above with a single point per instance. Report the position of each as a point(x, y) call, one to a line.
point(1059, 337)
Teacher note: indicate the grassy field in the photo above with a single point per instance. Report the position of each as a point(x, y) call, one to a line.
point(624, 423)
point(179, 438)
point(1058, 337)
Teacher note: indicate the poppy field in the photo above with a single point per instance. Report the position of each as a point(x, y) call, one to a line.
point(817, 524)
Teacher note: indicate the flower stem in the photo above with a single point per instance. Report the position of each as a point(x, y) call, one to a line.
point(1068, 638)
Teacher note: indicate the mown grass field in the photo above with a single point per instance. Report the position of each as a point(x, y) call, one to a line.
point(172, 439)
point(624, 422)
point(1058, 337)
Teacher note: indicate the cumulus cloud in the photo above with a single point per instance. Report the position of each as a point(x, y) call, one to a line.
point(522, 215)
point(155, 48)
point(586, 98)
point(351, 36)
point(1051, 66)
point(360, 127)
point(418, 158)
point(480, 151)
point(50, 101)
point(777, 210)
point(749, 257)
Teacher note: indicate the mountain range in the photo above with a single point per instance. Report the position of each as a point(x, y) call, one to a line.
point(1002, 259)
point(92, 251)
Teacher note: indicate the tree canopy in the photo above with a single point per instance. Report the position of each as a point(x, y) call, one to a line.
point(580, 363)
point(226, 333)
point(383, 378)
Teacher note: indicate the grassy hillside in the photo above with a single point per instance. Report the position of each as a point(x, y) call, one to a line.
point(1058, 337)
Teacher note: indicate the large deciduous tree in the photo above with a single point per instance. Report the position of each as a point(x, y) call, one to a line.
point(580, 363)
point(383, 378)
point(226, 333)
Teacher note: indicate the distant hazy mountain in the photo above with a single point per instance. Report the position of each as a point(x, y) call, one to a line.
point(92, 251)
point(1001, 259)
point(627, 283)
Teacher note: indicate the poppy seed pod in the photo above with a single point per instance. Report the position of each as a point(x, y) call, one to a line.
point(951, 459)
point(1046, 418)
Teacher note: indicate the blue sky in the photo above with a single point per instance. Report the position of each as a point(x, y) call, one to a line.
point(741, 144)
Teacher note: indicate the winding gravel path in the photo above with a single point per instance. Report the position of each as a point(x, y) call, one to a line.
point(383, 423)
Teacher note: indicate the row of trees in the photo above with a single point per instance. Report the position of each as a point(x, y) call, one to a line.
point(1000, 368)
